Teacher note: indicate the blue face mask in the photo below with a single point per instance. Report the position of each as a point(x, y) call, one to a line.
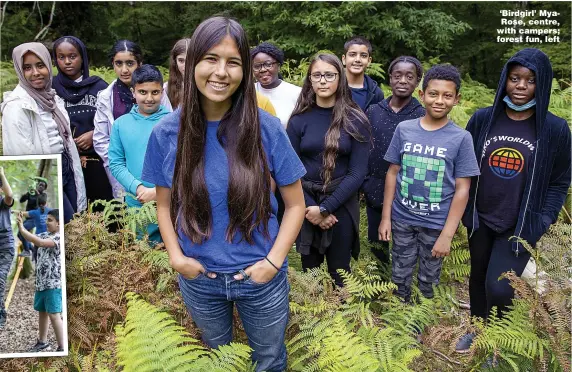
point(524, 107)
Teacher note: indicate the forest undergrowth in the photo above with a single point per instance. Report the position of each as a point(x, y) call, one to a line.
point(125, 312)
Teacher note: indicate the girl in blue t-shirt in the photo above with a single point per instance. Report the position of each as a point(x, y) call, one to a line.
point(212, 161)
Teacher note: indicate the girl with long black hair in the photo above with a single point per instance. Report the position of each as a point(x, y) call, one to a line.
point(331, 135)
point(117, 100)
point(212, 163)
point(79, 92)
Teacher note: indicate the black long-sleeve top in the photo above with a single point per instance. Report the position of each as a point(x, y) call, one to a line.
point(31, 199)
point(307, 133)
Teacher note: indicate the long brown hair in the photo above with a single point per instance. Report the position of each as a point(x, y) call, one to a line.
point(238, 132)
point(345, 114)
point(175, 83)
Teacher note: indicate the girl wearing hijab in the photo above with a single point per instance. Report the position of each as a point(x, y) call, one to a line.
point(79, 92)
point(525, 174)
point(117, 100)
point(35, 122)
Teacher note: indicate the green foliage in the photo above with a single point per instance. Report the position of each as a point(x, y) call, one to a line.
point(360, 327)
point(294, 72)
point(512, 338)
point(393, 350)
point(8, 78)
point(151, 340)
point(365, 285)
point(133, 221)
point(300, 28)
point(330, 344)
point(535, 334)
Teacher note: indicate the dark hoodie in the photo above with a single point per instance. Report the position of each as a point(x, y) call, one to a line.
point(374, 93)
point(383, 122)
point(548, 176)
point(80, 97)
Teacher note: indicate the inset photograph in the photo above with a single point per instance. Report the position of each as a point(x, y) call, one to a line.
point(33, 320)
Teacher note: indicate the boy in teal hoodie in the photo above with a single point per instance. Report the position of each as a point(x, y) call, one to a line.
point(129, 136)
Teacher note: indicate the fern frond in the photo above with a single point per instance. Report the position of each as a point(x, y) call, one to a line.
point(150, 340)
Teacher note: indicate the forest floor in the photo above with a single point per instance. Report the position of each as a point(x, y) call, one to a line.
point(21, 330)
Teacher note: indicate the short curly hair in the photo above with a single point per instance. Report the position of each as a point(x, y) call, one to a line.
point(443, 72)
point(270, 49)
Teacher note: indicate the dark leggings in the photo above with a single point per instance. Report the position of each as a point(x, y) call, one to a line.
point(492, 255)
point(380, 248)
point(338, 254)
point(69, 190)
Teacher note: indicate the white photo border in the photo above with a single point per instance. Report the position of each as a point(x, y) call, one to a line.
point(42, 354)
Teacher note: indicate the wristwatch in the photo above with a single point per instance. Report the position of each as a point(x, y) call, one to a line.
point(323, 211)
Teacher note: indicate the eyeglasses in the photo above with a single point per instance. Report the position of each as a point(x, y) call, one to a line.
point(316, 77)
point(267, 65)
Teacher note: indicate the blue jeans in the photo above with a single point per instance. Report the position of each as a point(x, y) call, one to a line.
point(263, 309)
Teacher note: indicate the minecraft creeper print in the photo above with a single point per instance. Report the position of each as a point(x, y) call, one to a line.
point(421, 169)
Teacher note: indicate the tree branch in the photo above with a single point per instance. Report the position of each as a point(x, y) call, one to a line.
point(44, 30)
point(438, 353)
point(3, 16)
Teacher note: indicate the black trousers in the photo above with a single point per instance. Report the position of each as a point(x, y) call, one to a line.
point(97, 185)
point(492, 255)
point(338, 254)
point(380, 248)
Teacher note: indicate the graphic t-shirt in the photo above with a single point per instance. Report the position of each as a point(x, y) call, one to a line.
point(82, 113)
point(40, 218)
point(217, 254)
point(507, 152)
point(48, 268)
point(430, 162)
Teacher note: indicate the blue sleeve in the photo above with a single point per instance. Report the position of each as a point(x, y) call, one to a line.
point(154, 159)
point(295, 137)
point(393, 154)
point(357, 170)
point(286, 163)
point(466, 162)
point(118, 163)
point(34, 213)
